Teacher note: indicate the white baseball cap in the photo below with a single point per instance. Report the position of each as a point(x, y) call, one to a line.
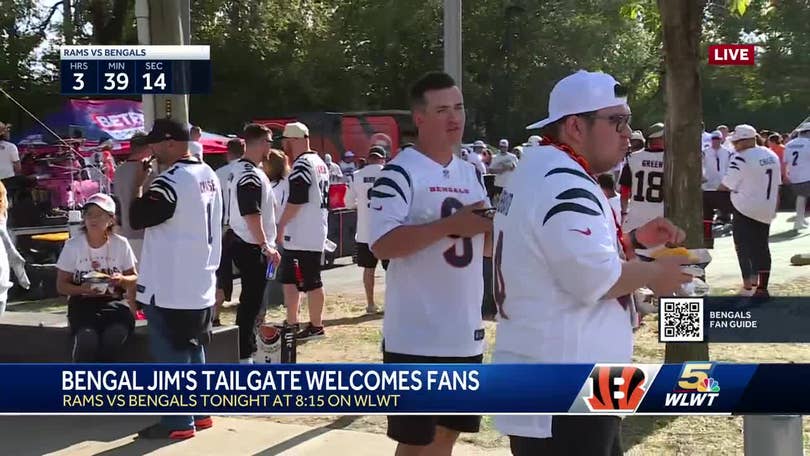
point(580, 92)
point(503, 143)
point(743, 131)
point(479, 143)
point(103, 201)
point(637, 135)
point(535, 140)
point(295, 130)
point(717, 134)
point(804, 127)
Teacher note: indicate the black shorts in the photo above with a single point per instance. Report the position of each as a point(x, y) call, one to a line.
point(309, 264)
point(98, 314)
point(225, 271)
point(365, 258)
point(420, 430)
point(574, 436)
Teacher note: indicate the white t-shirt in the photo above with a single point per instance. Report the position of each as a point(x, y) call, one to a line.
point(5, 272)
point(797, 159)
point(503, 161)
point(705, 140)
point(78, 258)
point(358, 195)
point(754, 177)
point(335, 173)
point(8, 155)
point(309, 187)
point(556, 255)
point(433, 296)
point(348, 170)
point(644, 174)
point(475, 159)
point(250, 193)
point(715, 165)
point(196, 149)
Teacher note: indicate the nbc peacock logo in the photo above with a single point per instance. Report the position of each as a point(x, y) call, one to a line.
point(709, 385)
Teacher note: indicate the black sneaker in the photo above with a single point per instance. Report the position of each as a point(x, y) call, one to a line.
point(159, 431)
point(311, 333)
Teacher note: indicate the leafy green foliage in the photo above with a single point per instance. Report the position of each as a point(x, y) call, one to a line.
point(272, 58)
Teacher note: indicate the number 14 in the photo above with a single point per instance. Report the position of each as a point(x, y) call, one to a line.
point(159, 82)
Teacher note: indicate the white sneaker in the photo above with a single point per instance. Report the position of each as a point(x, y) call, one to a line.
point(746, 291)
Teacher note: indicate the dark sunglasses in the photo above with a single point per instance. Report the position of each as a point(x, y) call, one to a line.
point(620, 120)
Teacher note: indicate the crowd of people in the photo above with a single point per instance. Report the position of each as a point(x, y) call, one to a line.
point(554, 248)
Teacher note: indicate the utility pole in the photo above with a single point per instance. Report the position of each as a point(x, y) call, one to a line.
point(145, 39)
point(169, 25)
point(452, 40)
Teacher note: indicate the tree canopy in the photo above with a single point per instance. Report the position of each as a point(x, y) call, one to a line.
point(272, 58)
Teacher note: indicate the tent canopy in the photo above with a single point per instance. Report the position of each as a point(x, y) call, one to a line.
point(101, 120)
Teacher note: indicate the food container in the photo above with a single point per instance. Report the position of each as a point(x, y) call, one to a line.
point(98, 281)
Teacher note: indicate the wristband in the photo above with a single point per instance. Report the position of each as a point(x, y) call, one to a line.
point(634, 241)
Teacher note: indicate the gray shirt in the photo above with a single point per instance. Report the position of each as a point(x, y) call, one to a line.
point(124, 185)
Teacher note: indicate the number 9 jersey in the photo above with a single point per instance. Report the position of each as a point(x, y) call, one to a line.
point(433, 296)
point(644, 176)
point(309, 187)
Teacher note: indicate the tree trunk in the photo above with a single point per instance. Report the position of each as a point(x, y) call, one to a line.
point(67, 21)
point(681, 22)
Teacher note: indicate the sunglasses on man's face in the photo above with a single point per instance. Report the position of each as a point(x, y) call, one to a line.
point(620, 120)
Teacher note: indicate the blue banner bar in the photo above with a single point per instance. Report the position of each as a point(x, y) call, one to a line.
point(335, 389)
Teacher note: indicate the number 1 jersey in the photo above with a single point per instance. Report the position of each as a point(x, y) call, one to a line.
point(433, 296)
point(644, 175)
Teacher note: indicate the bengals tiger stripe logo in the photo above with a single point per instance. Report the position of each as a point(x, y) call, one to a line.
point(616, 388)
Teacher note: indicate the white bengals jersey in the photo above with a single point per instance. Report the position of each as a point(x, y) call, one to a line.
point(309, 187)
point(556, 254)
point(797, 160)
point(754, 177)
point(358, 195)
point(225, 176)
point(715, 165)
point(433, 296)
point(250, 192)
point(181, 255)
point(644, 175)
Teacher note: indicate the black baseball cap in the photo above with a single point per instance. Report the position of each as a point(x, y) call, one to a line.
point(378, 151)
point(166, 129)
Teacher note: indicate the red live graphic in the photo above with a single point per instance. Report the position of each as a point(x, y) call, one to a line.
point(731, 54)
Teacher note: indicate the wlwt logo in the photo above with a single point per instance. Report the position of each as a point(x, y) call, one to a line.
point(731, 54)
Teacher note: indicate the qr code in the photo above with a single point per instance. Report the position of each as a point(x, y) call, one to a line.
point(681, 320)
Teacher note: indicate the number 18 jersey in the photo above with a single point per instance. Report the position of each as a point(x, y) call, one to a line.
point(433, 296)
point(644, 175)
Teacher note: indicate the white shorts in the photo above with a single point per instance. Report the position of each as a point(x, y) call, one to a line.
point(537, 426)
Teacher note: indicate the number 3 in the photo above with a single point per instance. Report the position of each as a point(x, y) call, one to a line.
point(449, 206)
point(79, 81)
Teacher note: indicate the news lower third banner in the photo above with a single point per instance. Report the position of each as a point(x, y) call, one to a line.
point(365, 389)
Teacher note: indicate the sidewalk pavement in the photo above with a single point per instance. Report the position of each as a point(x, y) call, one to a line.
point(724, 270)
point(99, 435)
